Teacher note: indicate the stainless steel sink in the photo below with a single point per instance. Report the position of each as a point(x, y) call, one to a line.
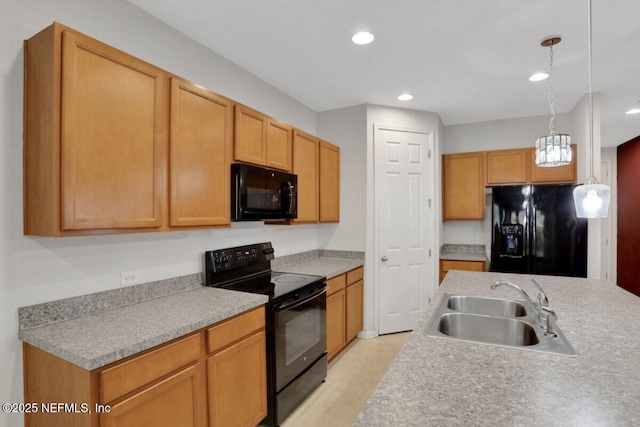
point(496, 322)
point(488, 306)
point(488, 329)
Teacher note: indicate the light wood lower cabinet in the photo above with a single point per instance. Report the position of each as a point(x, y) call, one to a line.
point(345, 300)
point(215, 377)
point(354, 303)
point(237, 372)
point(173, 401)
point(446, 265)
point(336, 338)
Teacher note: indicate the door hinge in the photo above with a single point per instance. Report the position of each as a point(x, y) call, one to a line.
point(429, 202)
point(429, 253)
point(429, 153)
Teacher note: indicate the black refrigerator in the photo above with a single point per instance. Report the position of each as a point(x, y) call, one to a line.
point(535, 230)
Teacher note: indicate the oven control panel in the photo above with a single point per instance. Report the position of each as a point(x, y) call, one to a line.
point(241, 257)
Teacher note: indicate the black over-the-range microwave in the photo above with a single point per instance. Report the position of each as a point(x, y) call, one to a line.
point(259, 193)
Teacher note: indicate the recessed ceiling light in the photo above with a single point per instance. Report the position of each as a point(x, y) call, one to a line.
point(634, 111)
point(538, 77)
point(363, 37)
point(405, 97)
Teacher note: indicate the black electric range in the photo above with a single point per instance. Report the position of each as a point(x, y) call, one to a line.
point(296, 347)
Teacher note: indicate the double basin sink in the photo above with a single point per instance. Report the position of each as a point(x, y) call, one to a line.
point(497, 322)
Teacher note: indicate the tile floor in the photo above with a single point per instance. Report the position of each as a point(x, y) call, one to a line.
point(352, 377)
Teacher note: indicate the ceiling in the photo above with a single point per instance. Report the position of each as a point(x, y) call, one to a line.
point(467, 60)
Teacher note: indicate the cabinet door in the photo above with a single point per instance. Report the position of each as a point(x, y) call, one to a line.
point(354, 309)
point(507, 166)
point(250, 138)
point(555, 175)
point(463, 186)
point(237, 383)
point(336, 338)
point(329, 182)
point(112, 140)
point(446, 265)
point(175, 401)
point(199, 153)
point(279, 145)
point(305, 165)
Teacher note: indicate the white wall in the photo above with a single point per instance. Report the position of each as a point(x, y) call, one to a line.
point(34, 270)
point(346, 127)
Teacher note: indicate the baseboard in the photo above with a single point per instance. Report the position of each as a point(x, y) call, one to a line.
point(367, 334)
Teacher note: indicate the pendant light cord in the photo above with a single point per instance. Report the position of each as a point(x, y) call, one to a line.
point(591, 177)
point(552, 129)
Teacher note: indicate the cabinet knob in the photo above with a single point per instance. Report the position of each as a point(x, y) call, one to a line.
point(384, 258)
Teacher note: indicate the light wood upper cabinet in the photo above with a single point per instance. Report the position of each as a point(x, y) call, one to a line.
point(555, 175)
point(463, 186)
point(261, 140)
point(507, 166)
point(279, 145)
point(306, 151)
point(329, 182)
point(250, 139)
point(94, 140)
point(199, 156)
point(517, 166)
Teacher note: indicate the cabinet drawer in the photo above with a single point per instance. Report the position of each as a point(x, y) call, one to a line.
point(134, 373)
point(336, 284)
point(229, 331)
point(355, 275)
point(462, 265)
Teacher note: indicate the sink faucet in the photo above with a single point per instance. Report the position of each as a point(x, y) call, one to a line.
point(545, 314)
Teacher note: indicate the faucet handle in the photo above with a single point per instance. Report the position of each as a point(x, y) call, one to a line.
point(543, 301)
point(545, 316)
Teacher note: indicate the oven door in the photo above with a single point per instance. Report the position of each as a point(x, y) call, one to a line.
point(300, 334)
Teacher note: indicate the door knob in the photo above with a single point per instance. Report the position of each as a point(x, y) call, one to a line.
point(384, 259)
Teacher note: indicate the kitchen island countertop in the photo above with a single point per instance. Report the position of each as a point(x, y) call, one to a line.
point(441, 382)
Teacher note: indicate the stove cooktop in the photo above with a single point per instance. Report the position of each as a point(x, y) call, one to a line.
point(285, 283)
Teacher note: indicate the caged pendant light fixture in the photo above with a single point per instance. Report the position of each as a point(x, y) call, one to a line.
point(591, 198)
point(554, 149)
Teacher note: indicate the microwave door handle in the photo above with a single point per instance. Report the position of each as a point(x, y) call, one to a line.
point(290, 185)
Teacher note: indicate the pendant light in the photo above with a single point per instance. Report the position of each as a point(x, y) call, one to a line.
point(554, 149)
point(591, 198)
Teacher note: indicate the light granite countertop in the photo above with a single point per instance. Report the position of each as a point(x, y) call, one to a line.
point(329, 267)
point(440, 382)
point(98, 339)
point(457, 252)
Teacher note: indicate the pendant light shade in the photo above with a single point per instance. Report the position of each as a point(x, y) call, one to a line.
point(554, 149)
point(592, 198)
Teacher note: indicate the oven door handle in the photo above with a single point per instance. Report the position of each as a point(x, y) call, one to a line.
point(296, 303)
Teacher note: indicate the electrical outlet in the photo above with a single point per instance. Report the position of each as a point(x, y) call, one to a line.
point(129, 278)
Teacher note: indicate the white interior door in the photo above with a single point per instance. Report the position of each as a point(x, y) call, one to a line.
point(403, 194)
